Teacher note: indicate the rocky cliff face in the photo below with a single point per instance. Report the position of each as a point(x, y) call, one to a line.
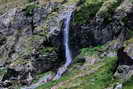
point(31, 43)
point(107, 24)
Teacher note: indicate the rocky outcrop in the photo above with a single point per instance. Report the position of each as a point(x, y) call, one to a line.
point(125, 61)
point(108, 24)
point(112, 22)
point(30, 41)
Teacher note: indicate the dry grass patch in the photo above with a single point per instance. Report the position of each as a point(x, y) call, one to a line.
point(5, 5)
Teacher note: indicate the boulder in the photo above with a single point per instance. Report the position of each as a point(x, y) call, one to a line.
point(124, 70)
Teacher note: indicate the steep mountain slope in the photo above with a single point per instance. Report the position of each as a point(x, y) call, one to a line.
point(96, 67)
point(32, 50)
point(5, 5)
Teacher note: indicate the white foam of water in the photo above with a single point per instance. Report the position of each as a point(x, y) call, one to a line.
point(66, 16)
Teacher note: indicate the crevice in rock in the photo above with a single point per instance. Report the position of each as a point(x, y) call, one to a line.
point(123, 58)
point(124, 68)
point(2, 39)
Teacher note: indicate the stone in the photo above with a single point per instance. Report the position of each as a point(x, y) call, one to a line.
point(129, 48)
point(124, 72)
point(28, 43)
point(100, 30)
point(125, 62)
point(118, 86)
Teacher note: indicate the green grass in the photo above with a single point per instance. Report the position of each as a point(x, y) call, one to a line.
point(75, 78)
point(87, 10)
point(52, 83)
point(98, 80)
point(101, 79)
point(91, 51)
point(129, 84)
point(90, 8)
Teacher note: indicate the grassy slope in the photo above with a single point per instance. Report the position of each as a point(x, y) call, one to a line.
point(5, 5)
point(129, 84)
point(97, 76)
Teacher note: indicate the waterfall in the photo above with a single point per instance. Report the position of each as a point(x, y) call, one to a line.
point(66, 16)
point(66, 41)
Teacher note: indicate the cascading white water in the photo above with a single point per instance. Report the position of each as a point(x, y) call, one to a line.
point(66, 40)
point(66, 16)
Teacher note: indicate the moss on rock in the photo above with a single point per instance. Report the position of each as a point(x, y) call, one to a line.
point(86, 11)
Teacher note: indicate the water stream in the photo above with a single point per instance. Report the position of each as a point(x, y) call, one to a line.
point(66, 17)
